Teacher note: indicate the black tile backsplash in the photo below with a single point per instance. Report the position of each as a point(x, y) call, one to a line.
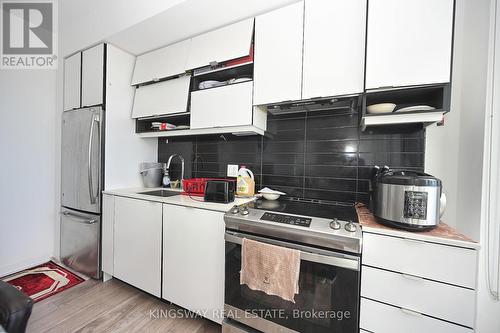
point(316, 155)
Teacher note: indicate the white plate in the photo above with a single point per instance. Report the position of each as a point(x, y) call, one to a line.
point(241, 79)
point(416, 108)
point(267, 190)
point(210, 84)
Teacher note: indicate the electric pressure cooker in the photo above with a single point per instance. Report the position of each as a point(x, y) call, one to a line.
point(406, 199)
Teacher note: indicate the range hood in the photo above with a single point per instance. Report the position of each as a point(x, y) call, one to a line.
point(347, 103)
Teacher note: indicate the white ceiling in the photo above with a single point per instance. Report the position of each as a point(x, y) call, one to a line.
point(186, 19)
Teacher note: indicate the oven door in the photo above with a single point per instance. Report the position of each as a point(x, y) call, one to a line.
point(328, 299)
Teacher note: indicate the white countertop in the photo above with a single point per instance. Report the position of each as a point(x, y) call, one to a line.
point(179, 200)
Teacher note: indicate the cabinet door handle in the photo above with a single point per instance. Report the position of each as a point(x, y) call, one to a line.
point(93, 199)
point(414, 242)
point(411, 312)
point(411, 277)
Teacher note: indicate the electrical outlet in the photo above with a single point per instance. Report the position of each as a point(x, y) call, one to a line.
point(232, 170)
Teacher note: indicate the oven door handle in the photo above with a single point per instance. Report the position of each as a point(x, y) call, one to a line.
point(332, 259)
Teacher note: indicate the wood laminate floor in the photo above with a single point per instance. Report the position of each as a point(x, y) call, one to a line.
point(112, 306)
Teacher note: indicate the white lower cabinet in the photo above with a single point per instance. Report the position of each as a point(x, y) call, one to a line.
point(444, 263)
point(428, 297)
point(108, 225)
point(378, 317)
point(416, 286)
point(193, 259)
point(137, 243)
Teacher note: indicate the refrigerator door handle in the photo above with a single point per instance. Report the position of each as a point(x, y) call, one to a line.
point(79, 218)
point(97, 120)
point(93, 198)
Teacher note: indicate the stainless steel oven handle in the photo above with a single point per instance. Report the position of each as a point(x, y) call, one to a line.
point(334, 259)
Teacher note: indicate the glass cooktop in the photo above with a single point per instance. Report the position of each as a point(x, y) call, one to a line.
point(328, 210)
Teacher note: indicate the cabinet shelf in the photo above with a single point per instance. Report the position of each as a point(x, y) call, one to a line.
point(436, 96)
point(235, 130)
point(143, 125)
point(211, 70)
point(424, 117)
point(224, 75)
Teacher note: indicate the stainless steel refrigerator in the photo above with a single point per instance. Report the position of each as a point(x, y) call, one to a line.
point(82, 155)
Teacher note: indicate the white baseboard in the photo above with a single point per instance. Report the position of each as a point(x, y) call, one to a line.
point(24, 264)
point(106, 277)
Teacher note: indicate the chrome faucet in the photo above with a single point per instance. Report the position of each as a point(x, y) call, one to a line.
point(182, 164)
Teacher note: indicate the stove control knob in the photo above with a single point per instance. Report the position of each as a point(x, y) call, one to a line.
point(335, 224)
point(234, 210)
point(349, 226)
point(244, 210)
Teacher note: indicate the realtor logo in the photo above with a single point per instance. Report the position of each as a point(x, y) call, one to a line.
point(28, 34)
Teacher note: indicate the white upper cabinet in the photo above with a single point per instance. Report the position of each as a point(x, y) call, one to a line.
point(165, 62)
point(278, 55)
point(334, 47)
point(409, 42)
point(166, 97)
point(72, 80)
point(227, 43)
point(93, 75)
point(222, 106)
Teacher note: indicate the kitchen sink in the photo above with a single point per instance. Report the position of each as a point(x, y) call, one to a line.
point(161, 193)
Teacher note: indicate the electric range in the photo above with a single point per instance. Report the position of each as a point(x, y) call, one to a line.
point(328, 238)
point(332, 225)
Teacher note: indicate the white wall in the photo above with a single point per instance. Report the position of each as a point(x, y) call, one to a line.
point(454, 152)
point(473, 106)
point(122, 169)
point(27, 179)
point(488, 309)
point(441, 150)
point(86, 22)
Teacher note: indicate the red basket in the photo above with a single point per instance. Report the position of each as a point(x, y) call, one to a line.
point(196, 186)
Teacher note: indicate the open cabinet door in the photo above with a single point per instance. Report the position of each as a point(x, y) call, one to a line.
point(162, 63)
point(227, 43)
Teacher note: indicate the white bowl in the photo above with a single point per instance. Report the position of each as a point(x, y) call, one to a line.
point(271, 196)
point(381, 108)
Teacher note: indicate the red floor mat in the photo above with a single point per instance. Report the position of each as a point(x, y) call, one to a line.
point(43, 281)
